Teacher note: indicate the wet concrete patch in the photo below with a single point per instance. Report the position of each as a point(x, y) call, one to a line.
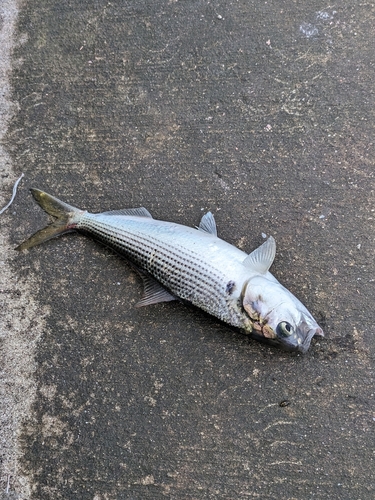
point(184, 107)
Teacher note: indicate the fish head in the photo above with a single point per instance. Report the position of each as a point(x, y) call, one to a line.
point(277, 316)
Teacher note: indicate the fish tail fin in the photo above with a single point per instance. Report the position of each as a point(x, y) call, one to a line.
point(63, 212)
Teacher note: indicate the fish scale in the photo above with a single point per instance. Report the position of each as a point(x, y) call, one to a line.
point(183, 271)
point(195, 265)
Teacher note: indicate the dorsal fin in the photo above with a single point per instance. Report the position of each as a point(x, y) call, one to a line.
point(138, 212)
point(208, 224)
point(260, 260)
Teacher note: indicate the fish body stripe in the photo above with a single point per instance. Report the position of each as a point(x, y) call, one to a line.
point(181, 270)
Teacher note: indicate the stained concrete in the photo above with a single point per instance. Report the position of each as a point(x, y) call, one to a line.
point(20, 315)
point(263, 113)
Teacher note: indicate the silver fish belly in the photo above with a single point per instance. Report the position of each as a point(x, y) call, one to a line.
point(194, 265)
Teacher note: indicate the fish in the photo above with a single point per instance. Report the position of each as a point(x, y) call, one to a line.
point(195, 266)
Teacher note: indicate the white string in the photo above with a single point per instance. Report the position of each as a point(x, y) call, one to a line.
point(13, 195)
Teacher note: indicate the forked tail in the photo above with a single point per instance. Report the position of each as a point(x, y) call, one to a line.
point(63, 212)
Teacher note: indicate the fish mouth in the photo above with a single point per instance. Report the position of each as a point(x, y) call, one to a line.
point(304, 339)
point(305, 344)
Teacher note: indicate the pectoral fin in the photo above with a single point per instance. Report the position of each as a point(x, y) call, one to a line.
point(260, 260)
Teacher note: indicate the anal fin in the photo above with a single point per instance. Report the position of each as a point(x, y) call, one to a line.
point(153, 291)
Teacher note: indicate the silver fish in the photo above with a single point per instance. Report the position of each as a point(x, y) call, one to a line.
point(193, 264)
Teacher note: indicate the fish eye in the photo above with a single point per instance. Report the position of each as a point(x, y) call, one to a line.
point(284, 329)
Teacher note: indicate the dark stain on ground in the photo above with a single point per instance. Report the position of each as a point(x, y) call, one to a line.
point(262, 113)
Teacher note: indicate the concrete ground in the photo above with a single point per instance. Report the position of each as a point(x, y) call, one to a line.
point(260, 111)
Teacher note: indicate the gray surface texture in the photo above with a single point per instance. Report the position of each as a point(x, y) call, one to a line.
point(260, 111)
